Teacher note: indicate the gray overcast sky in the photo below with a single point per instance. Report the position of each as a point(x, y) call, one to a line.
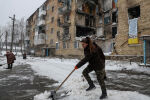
point(21, 8)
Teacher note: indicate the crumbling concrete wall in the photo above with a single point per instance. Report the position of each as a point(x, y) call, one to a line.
point(107, 5)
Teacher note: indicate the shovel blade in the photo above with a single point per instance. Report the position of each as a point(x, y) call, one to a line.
point(53, 95)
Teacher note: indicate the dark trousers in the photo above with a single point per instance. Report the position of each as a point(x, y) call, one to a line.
point(100, 77)
point(10, 66)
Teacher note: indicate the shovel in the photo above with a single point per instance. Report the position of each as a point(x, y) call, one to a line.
point(53, 93)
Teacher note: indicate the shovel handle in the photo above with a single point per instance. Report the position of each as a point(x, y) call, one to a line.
point(65, 79)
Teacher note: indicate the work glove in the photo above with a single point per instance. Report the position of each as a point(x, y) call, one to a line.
point(76, 67)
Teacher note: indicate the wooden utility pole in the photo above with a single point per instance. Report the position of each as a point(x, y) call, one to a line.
point(24, 43)
point(21, 41)
point(6, 40)
point(1, 44)
point(12, 36)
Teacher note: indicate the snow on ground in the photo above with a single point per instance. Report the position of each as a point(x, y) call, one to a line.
point(58, 69)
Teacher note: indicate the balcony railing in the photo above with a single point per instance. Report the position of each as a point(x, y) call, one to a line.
point(61, 1)
point(39, 39)
point(66, 37)
point(65, 23)
point(41, 22)
point(64, 10)
point(42, 12)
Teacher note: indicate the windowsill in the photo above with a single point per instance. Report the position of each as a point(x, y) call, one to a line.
point(134, 45)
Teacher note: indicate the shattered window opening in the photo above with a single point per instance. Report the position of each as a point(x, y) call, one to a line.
point(114, 32)
point(134, 12)
point(64, 45)
point(66, 31)
point(84, 31)
point(114, 17)
point(76, 44)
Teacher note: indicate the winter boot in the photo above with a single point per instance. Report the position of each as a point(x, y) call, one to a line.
point(104, 94)
point(105, 78)
point(91, 87)
point(8, 66)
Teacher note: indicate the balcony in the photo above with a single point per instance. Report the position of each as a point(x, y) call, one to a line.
point(61, 1)
point(66, 37)
point(65, 23)
point(64, 10)
point(40, 39)
point(42, 12)
point(41, 22)
point(93, 2)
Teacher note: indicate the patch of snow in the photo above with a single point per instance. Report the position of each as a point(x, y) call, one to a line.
point(108, 53)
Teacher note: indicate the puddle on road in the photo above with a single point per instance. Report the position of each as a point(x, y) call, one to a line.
point(21, 83)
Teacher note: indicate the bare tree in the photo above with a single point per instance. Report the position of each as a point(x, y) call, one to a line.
point(19, 34)
point(21, 30)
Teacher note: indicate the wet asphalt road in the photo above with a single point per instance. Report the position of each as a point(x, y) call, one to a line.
point(128, 80)
point(21, 83)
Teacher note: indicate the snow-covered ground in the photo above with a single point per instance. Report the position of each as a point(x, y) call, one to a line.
point(58, 69)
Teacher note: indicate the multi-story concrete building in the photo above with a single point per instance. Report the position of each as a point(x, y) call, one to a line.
point(56, 27)
point(118, 26)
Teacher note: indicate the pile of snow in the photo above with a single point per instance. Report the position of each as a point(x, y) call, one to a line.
point(108, 53)
point(58, 69)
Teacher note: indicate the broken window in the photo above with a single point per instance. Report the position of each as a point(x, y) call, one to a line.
point(66, 31)
point(76, 44)
point(134, 12)
point(58, 22)
point(42, 17)
point(114, 17)
point(53, 9)
point(42, 29)
point(64, 45)
point(52, 19)
point(88, 8)
point(107, 18)
point(66, 18)
point(57, 45)
point(100, 19)
point(89, 21)
point(52, 29)
point(84, 31)
point(114, 32)
point(58, 33)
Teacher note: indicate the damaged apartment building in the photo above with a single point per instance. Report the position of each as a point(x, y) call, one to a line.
point(97, 19)
point(133, 36)
point(57, 26)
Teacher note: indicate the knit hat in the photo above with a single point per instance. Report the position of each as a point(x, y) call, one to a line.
point(85, 40)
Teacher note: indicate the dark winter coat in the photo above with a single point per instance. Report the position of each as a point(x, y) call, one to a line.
point(96, 59)
point(10, 58)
